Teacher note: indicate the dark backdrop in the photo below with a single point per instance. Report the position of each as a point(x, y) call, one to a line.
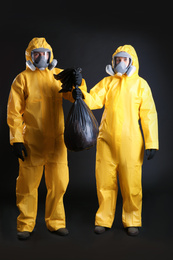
point(86, 35)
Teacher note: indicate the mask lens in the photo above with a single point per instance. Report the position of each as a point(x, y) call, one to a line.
point(40, 55)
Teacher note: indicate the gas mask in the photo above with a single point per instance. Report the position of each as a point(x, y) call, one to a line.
point(41, 60)
point(121, 67)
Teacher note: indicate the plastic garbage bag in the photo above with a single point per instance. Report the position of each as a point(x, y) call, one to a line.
point(81, 127)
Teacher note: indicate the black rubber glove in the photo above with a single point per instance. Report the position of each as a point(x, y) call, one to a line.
point(77, 77)
point(150, 153)
point(20, 150)
point(77, 93)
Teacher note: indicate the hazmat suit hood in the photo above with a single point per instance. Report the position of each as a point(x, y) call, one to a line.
point(38, 43)
point(134, 65)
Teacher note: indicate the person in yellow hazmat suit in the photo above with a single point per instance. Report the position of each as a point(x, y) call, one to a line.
point(120, 149)
point(36, 121)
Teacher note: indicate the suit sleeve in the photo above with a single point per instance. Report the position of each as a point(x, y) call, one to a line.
point(149, 120)
point(96, 98)
point(15, 109)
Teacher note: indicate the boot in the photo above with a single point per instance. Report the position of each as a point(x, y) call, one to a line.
point(132, 231)
point(61, 232)
point(99, 230)
point(23, 235)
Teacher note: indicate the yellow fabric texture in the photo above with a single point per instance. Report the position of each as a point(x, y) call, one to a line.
point(120, 145)
point(35, 117)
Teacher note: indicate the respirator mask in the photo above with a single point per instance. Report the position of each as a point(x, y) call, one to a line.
point(41, 59)
point(121, 68)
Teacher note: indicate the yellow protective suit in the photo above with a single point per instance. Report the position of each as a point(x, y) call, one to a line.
point(35, 117)
point(120, 145)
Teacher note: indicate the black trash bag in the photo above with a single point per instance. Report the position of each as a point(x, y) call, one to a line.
point(81, 127)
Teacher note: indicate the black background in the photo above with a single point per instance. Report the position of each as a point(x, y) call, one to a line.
point(86, 34)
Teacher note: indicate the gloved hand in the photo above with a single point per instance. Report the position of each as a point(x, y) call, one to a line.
point(150, 153)
point(77, 77)
point(20, 150)
point(77, 93)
